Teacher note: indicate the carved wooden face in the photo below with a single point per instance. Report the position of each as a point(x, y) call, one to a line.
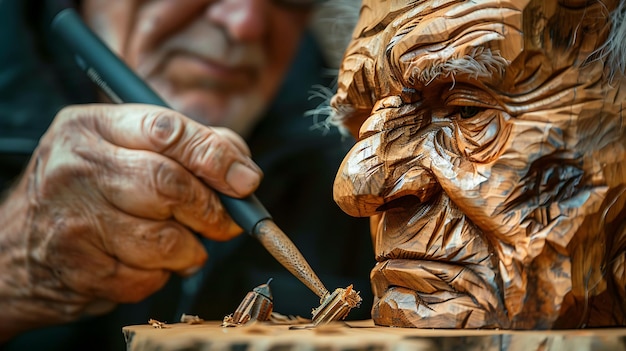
point(491, 160)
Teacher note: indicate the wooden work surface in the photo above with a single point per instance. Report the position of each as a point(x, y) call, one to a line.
point(363, 335)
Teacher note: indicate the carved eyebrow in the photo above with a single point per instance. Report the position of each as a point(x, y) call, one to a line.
point(479, 63)
point(473, 39)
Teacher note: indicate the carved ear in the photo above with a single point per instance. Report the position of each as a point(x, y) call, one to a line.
point(355, 95)
point(576, 29)
point(356, 86)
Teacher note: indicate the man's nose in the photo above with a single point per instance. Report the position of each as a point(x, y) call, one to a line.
point(376, 176)
point(243, 20)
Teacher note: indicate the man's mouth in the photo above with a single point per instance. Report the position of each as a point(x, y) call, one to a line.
point(435, 270)
point(187, 70)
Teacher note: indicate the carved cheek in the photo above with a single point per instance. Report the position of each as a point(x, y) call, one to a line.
point(444, 155)
point(468, 175)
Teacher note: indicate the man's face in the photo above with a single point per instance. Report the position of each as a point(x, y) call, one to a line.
point(489, 160)
point(219, 62)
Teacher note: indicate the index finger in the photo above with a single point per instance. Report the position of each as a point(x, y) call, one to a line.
point(205, 152)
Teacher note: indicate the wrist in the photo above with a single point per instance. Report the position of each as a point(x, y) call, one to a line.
point(30, 294)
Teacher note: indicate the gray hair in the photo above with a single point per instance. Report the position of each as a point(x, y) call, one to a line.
point(614, 49)
point(332, 25)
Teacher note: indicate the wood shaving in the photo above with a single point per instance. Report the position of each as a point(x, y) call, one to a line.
point(191, 319)
point(157, 324)
point(229, 321)
point(281, 319)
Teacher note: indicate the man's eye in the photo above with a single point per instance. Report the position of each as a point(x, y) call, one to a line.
point(468, 111)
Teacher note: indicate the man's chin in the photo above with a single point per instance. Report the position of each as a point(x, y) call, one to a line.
point(402, 307)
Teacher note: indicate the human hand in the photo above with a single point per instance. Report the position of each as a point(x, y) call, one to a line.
point(106, 208)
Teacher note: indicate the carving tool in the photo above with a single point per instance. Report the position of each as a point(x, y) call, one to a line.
point(122, 85)
point(336, 306)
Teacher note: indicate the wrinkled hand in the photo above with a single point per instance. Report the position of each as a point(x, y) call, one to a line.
point(106, 209)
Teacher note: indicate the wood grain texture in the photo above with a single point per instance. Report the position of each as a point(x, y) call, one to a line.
point(362, 336)
point(491, 159)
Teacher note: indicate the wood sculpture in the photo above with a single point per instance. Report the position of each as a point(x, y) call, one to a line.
point(491, 159)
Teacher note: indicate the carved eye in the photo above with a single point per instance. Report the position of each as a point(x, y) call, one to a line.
point(410, 95)
point(468, 111)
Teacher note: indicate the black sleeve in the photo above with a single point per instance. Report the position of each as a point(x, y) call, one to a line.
point(37, 78)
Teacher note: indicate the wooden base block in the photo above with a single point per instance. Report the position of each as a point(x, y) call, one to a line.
point(362, 335)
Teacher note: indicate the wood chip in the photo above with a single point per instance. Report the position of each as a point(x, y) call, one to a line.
point(281, 319)
point(191, 319)
point(157, 324)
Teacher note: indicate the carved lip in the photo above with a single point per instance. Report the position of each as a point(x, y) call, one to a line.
point(429, 277)
point(433, 231)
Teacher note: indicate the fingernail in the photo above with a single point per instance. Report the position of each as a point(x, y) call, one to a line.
point(242, 179)
point(254, 166)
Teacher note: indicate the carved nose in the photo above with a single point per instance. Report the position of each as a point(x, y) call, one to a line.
point(370, 181)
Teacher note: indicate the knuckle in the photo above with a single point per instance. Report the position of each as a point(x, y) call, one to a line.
point(234, 138)
point(163, 128)
point(171, 181)
point(213, 157)
point(62, 128)
point(73, 117)
point(152, 242)
point(214, 218)
point(66, 115)
point(167, 239)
